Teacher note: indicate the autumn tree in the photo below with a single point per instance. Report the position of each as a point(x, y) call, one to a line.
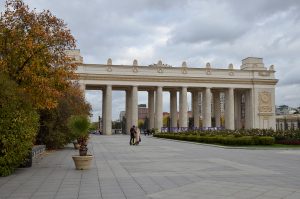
point(37, 87)
point(32, 53)
point(54, 131)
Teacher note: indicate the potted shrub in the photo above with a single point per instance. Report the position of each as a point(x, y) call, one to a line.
point(79, 125)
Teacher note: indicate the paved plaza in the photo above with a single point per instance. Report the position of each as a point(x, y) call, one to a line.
point(158, 169)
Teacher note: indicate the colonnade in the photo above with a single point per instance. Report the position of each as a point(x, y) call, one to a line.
point(211, 105)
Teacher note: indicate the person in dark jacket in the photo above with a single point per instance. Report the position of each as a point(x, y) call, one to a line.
point(132, 135)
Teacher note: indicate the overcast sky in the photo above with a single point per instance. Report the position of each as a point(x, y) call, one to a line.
point(196, 31)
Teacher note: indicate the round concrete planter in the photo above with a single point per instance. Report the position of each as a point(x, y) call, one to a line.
point(82, 162)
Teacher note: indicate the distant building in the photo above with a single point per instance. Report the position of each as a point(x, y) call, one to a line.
point(142, 112)
point(286, 122)
point(75, 56)
point(122, 115)
point(285, 110)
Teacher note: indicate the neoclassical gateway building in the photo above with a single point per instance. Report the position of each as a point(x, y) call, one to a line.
point(249, 92)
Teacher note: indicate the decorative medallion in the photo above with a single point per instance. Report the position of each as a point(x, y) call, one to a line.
point(109, 63)
point(208, 68)
point(231, 72)
point(135, 69)
point(265, 102)
point(109, 68)
point(135, 66)
point(184, 68)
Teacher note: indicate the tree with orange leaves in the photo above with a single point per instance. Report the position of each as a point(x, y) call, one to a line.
point(32, 53)
point(54, 132)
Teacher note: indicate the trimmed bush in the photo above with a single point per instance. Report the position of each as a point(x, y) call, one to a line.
point(264, 140)
point(18, 127)
point(230, 140)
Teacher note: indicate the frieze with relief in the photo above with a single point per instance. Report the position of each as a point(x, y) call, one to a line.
point(265, 102)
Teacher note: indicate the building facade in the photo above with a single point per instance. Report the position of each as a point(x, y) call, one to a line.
point(248, 92)
point(288, 122)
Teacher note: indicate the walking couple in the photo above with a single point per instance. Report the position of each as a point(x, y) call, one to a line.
point(135, 135)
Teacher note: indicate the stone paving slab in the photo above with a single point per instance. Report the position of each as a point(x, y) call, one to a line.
point(158, 168)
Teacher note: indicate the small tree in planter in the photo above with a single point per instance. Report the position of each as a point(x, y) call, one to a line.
point(79, 125)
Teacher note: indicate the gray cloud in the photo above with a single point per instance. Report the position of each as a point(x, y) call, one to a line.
point(216, 31)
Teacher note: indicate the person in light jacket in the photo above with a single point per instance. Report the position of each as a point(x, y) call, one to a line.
point(137, 136)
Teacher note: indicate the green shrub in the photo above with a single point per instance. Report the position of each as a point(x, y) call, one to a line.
point(192, 138)
point(18, 126)
point(54, 131)
point(230, 140)
point(79, 125)
point(245, 140)
point(266, 140)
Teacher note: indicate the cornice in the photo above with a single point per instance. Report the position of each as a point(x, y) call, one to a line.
point(214, 80)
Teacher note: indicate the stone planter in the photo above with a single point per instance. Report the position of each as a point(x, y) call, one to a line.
point(82, 162)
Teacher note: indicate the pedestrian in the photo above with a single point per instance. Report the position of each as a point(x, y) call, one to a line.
point(132, 135)
point(148, 132)
point(137, 136)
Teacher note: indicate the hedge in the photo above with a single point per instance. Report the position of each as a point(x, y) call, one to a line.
point(291, 136)
point(230, 140)
point(18, 126)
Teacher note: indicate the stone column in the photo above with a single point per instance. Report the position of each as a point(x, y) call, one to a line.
point(159, 108)
point(217, 108)
point(128, 111)
point(237, 109)
point(173, 108)
point(229, 109)
point(103, 109)
point(207, 108)
point(151, 112)
point(183, 107)
point(195, 102)
point(248, 110)
point(134, 106)
point(108, 109)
